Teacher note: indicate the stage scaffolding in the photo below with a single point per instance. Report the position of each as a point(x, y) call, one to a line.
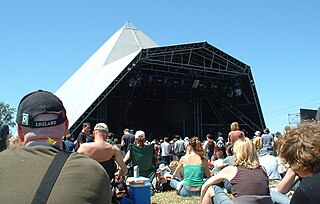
point(224, 84)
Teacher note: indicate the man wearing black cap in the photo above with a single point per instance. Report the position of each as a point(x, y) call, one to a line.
point(32, 172)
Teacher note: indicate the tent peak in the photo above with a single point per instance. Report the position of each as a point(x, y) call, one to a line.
point(129, 25)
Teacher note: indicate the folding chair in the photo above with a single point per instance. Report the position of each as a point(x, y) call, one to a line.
point(145, 159)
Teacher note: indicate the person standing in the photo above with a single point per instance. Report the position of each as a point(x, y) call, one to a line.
point(126, 139)
point(209, 147)
point(179, 148)
point(235, 133)
point(82, 137)
point(41, 123)
point(165, 150)
point(104, 152)
point(267, 140)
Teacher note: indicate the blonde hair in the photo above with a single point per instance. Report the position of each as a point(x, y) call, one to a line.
point(234, 126)
point(195, 143)
point(301, 146)
point(245, 154)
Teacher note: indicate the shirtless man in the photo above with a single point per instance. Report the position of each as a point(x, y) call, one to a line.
point(103, 152)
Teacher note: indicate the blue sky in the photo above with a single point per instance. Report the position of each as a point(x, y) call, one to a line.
point(42, 43)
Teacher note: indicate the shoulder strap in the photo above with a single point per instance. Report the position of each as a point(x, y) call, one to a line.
point(49, 178)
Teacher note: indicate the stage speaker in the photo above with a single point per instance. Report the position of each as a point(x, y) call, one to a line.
point(308, 114)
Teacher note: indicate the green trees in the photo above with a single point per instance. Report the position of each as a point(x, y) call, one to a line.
point(6, 114)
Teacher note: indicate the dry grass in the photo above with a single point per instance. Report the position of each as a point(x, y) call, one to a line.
point(171, 197)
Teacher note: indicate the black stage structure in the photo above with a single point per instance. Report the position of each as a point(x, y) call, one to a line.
point(187, 89)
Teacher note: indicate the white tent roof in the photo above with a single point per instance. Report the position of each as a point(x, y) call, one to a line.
point(100, 70)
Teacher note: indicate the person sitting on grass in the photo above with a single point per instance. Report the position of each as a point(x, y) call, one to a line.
point(300, 148)
point(194, 166)
point(249, 181)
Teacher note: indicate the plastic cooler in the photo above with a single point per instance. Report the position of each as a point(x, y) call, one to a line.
point(139, 189)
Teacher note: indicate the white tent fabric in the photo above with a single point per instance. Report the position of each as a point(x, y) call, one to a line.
point(99, 71)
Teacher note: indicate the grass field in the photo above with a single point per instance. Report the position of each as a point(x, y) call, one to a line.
point(171, 197)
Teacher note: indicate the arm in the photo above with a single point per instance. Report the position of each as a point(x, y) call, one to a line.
point(122, 142)
point(206, 168)
point(127, 157)
point(120, 162)
point(288, 181)
point(204, 145)
point(180, 165)
point(226, 173)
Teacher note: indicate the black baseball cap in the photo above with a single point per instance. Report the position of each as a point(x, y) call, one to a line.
point(40, 102)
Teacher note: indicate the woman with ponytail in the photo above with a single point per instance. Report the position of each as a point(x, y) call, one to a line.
point(194, 166)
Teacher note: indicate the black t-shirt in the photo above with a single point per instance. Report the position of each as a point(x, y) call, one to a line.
point(308, 191)
point(82, 138)
point(128, 139)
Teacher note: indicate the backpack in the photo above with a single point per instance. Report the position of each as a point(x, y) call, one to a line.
point(210, 145)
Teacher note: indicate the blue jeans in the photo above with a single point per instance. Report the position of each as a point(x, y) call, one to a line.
point(279, 198)
point(183, 191)
point(220, 197)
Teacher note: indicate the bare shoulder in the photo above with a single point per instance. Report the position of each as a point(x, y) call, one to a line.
point(229, 172)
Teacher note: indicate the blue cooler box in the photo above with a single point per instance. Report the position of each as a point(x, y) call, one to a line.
point(139, 189)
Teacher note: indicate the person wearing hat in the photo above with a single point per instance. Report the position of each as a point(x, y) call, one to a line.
point(139, 139)
point(257, 140)
point(104, 152)
point(41, 123)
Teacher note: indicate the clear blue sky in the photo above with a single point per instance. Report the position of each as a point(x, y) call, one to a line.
point(42, 43)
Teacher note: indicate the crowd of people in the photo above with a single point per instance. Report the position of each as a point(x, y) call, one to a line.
point(233, 168)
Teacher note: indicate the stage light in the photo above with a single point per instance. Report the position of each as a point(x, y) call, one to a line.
point(237, 89)
point(195, 84)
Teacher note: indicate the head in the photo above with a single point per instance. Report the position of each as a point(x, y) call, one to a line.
point(220, 154)
point(266, 131)
point(195, 145)
point(101, 130)
point(245, 154)
point(126, 131)
point(209, 137)
point(86, 127)
point(300, 148)
point(257, 133)
point(139, 138)
point(68, 136)
point(41, 117)
point(234, 126)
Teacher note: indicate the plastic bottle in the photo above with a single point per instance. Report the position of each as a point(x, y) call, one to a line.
point(136, 171)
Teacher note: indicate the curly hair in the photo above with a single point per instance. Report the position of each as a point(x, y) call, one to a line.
point(195, 143)
point(301, 146)
point(245, 154)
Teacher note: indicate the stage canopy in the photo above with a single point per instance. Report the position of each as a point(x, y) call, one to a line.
point(188, 89)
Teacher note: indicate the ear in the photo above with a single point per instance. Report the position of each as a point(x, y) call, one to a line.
point(67, 126)
point(20, 133)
